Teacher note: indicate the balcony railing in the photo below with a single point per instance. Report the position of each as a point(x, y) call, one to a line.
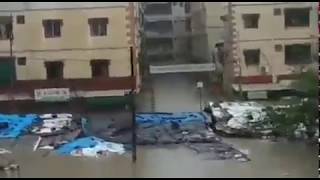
point(152, 34)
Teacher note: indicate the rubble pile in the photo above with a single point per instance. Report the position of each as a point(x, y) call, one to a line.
point(70, 136)
point(188, 128)
point(240, 119)
point(91, 147)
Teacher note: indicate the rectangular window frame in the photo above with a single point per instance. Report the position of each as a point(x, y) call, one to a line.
point(59, 74)
point(288, 24)
point(247, 52)
point(246, 17)
point(98, 26)
point(52, 28)
point(288, 59)
point(100, 63)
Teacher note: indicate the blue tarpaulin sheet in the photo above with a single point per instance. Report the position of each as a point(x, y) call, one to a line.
point(81, 143)
point(17, 125)
point(164, 118)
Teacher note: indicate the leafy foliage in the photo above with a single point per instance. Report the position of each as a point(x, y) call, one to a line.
point(285, 121)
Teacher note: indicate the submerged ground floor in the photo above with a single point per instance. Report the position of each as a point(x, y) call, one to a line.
point(168, 93)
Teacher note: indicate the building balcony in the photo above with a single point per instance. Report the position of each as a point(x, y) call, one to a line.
point(183, 34)
point(159, 51)
point(152, 34)
point(157, 17)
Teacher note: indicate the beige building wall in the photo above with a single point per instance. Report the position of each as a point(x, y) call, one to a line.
point(207, 27)
point(76, 63)
point(273, 60)
point(215, 26)
point(271, 31)
point(75, 47)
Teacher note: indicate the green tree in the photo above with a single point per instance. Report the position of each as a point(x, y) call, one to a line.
point(285, 121)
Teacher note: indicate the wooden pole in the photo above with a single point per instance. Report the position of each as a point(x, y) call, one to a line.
point(133, 109)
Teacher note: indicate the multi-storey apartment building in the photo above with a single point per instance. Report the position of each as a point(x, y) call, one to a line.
point(207, 28)
point(86, 48)
point(272, 43)
point(166, 30)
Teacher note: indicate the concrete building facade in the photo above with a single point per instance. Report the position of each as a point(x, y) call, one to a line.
point(83, 46)
point(207, 28)
point(166, 31)
point(272, 43)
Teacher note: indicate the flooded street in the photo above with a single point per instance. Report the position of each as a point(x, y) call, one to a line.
point(175, 93)
point(267, 160)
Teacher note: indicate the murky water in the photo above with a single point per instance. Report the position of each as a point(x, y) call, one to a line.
point(175, 93)
point(268, 160)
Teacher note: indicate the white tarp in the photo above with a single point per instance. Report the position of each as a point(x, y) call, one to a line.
point(4, 151)
point(240, 112)
point(101, 147)
point(52, 123)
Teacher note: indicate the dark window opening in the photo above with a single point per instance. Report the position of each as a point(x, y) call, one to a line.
point(181, 4)
point(20, 19)
point(251, 20)
point(298, 17)
point(98, 26)
point(100, 68)
point(54, 70)
point(252, 56)
point(22, 61)
point(5, 31)
point(52, 28)
point(297, 54)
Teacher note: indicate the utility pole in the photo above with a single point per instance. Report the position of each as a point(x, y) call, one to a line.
point(11, 35)
point(11, 94)
point(228, 65)
point(133, 108)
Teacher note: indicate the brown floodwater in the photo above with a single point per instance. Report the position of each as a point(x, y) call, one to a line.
point(268, 159)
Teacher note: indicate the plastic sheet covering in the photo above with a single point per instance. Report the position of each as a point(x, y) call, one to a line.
point(17, 125)
point(89, 146)
point(145, 119)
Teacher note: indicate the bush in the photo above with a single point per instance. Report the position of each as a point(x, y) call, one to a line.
point(285, 121)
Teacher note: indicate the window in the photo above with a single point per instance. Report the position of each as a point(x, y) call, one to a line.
point(297, 54)
point(297, 17)
point(98, 26)
point(100, 68)
point(252, 56)
point(5, 31)
point(20, 19)
point(181, 4)
point(22, 61)
point(52, 28)
point(277, 11)
point(54, 70)
point(251, 20)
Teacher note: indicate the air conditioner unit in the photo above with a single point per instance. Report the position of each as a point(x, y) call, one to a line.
point(278, 47)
